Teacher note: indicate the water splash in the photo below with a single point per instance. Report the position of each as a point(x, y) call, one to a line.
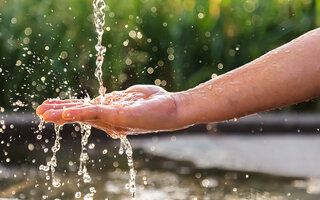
point(125, 146)
point(84, 157)
point(52, 164)
point(99, 21)
point(40, 126)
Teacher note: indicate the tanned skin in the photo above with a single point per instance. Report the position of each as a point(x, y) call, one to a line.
point(286, 75)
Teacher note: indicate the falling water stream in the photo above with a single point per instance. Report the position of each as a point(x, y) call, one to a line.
point(52, 164)
point(99, 21)
point(132, 174)
point(125, 146)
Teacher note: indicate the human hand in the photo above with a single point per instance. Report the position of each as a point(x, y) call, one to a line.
point(140, 108)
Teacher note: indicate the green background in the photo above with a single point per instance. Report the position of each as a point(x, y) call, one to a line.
point(47, 46)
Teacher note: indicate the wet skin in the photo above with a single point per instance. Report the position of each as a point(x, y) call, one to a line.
point(140, 108)
point(284, 76)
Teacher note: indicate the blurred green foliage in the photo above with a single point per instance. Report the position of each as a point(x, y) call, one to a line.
point(47, 46)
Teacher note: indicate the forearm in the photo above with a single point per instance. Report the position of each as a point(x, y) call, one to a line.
point(284, 76)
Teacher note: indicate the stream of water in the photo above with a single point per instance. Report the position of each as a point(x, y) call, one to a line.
point(125, 146)
point(52, 164)
point(99, 21)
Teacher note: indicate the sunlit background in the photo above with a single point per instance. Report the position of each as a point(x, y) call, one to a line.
point(47, 51)
point(47, 47)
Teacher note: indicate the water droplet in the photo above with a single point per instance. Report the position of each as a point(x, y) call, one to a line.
point(56, 182)
point(86, 178)
point(91, 146)
point(105, 151)
point(77, 195)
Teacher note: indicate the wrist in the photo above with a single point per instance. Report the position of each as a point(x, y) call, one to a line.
point(202, 104)
point(185, 108)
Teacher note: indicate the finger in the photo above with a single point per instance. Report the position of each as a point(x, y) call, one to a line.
point(130, 117)
point(84, 113)
point(59, 101)
point(54, 116)
point(138, 88)
point(145, 89)
point(116, 116)
point(45, 107)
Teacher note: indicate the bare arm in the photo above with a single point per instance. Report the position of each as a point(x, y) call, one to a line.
point(284, 76)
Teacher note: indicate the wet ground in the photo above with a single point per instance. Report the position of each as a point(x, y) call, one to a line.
point(173, 166)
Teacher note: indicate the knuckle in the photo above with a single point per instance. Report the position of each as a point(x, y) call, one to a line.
point(97, 112)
